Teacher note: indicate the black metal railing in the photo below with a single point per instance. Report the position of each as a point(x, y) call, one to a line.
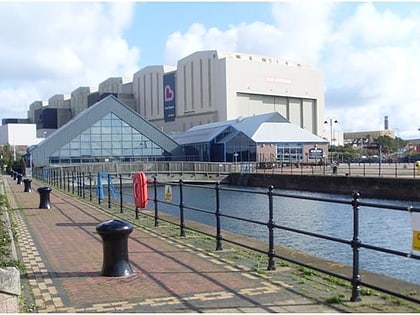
point(394, 169)
point(86, 187)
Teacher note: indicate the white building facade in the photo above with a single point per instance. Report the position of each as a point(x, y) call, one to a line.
point(204, 87)
point(212, 86)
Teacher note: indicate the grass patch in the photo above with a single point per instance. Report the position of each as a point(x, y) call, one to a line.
point(307, 272)
point(336, 299)
point(337, 281)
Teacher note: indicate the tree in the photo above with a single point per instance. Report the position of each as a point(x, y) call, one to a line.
point(390, 145)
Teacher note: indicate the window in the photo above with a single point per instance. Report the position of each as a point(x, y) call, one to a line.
point(110, 137)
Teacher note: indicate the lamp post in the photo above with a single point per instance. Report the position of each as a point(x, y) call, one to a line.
point(398, 144)
point(330, 122)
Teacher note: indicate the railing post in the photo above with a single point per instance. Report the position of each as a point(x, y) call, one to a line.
point(109, 190)
point(155, 200)
point(218, 234)
point(83, 186)
point(270, 225)
point(79, 182)
point(72, 182)
point(121, 194)
point(90, 186)
point(355, 244)
point(98, 188)
point(181, 209)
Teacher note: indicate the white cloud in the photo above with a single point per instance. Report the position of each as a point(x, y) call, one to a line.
point(52, 48)
point(371, 72)
point(368, 57)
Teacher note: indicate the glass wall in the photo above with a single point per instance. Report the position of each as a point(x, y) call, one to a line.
point(241, 149)
point(289, 152)
point(108, 139)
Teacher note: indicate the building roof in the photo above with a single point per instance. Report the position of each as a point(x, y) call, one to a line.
point(199, 135)
point(264, 128)
point(284, 132)
point(110, 104)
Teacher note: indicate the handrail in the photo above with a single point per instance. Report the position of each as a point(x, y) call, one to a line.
point(79, 180)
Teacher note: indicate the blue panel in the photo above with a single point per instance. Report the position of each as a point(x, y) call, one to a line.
point(169, 97)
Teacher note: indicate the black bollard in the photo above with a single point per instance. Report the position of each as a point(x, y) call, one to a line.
point(114, 234)
point(27, 183)
point(14, 175)
point(19, 179)
point(44, 197)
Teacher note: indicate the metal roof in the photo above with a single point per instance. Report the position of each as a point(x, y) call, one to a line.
point(200, 135)
point(264, 128)
point(284, 132)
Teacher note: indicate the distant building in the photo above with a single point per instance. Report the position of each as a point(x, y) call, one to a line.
point(214, 86)
point(266, 138)
point(204, 87)
point(361, 138)
point(18, 136)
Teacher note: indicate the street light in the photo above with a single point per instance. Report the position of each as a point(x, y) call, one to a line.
point(398, 143)
point(331, 121)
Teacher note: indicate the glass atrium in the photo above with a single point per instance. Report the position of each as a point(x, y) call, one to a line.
point(111, 138)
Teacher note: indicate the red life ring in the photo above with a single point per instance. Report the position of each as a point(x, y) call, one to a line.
point(140, 190)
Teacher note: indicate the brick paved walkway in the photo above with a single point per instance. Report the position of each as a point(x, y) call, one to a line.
point(62, 253)
point(63, 256)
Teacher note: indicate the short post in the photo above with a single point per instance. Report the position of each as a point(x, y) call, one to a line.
point(121, 194)
point(27, 185)
point(181, 209)
point(19, 179)
point(355, 244)
point(155, 201)
point(270, 225)
point(114, 234)
point(44, 197)
point(218, 225)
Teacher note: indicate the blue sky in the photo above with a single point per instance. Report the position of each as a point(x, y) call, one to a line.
point(367, 51)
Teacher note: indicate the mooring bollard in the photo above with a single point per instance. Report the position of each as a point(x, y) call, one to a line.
point(44, 197)
point(19, 179)
point(27, 185)
point(114, 234)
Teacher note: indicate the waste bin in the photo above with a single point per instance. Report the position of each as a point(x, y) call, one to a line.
point(114, 234)
point(27, 185)
point(44, 197)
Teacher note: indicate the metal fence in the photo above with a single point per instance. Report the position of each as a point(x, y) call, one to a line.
point(395, 170)
point(205, 170)
point(113, 193)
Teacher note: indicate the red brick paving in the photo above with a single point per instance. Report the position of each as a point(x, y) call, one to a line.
point(167, 278)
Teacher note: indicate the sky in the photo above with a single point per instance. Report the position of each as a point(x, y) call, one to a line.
point(368, 52)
